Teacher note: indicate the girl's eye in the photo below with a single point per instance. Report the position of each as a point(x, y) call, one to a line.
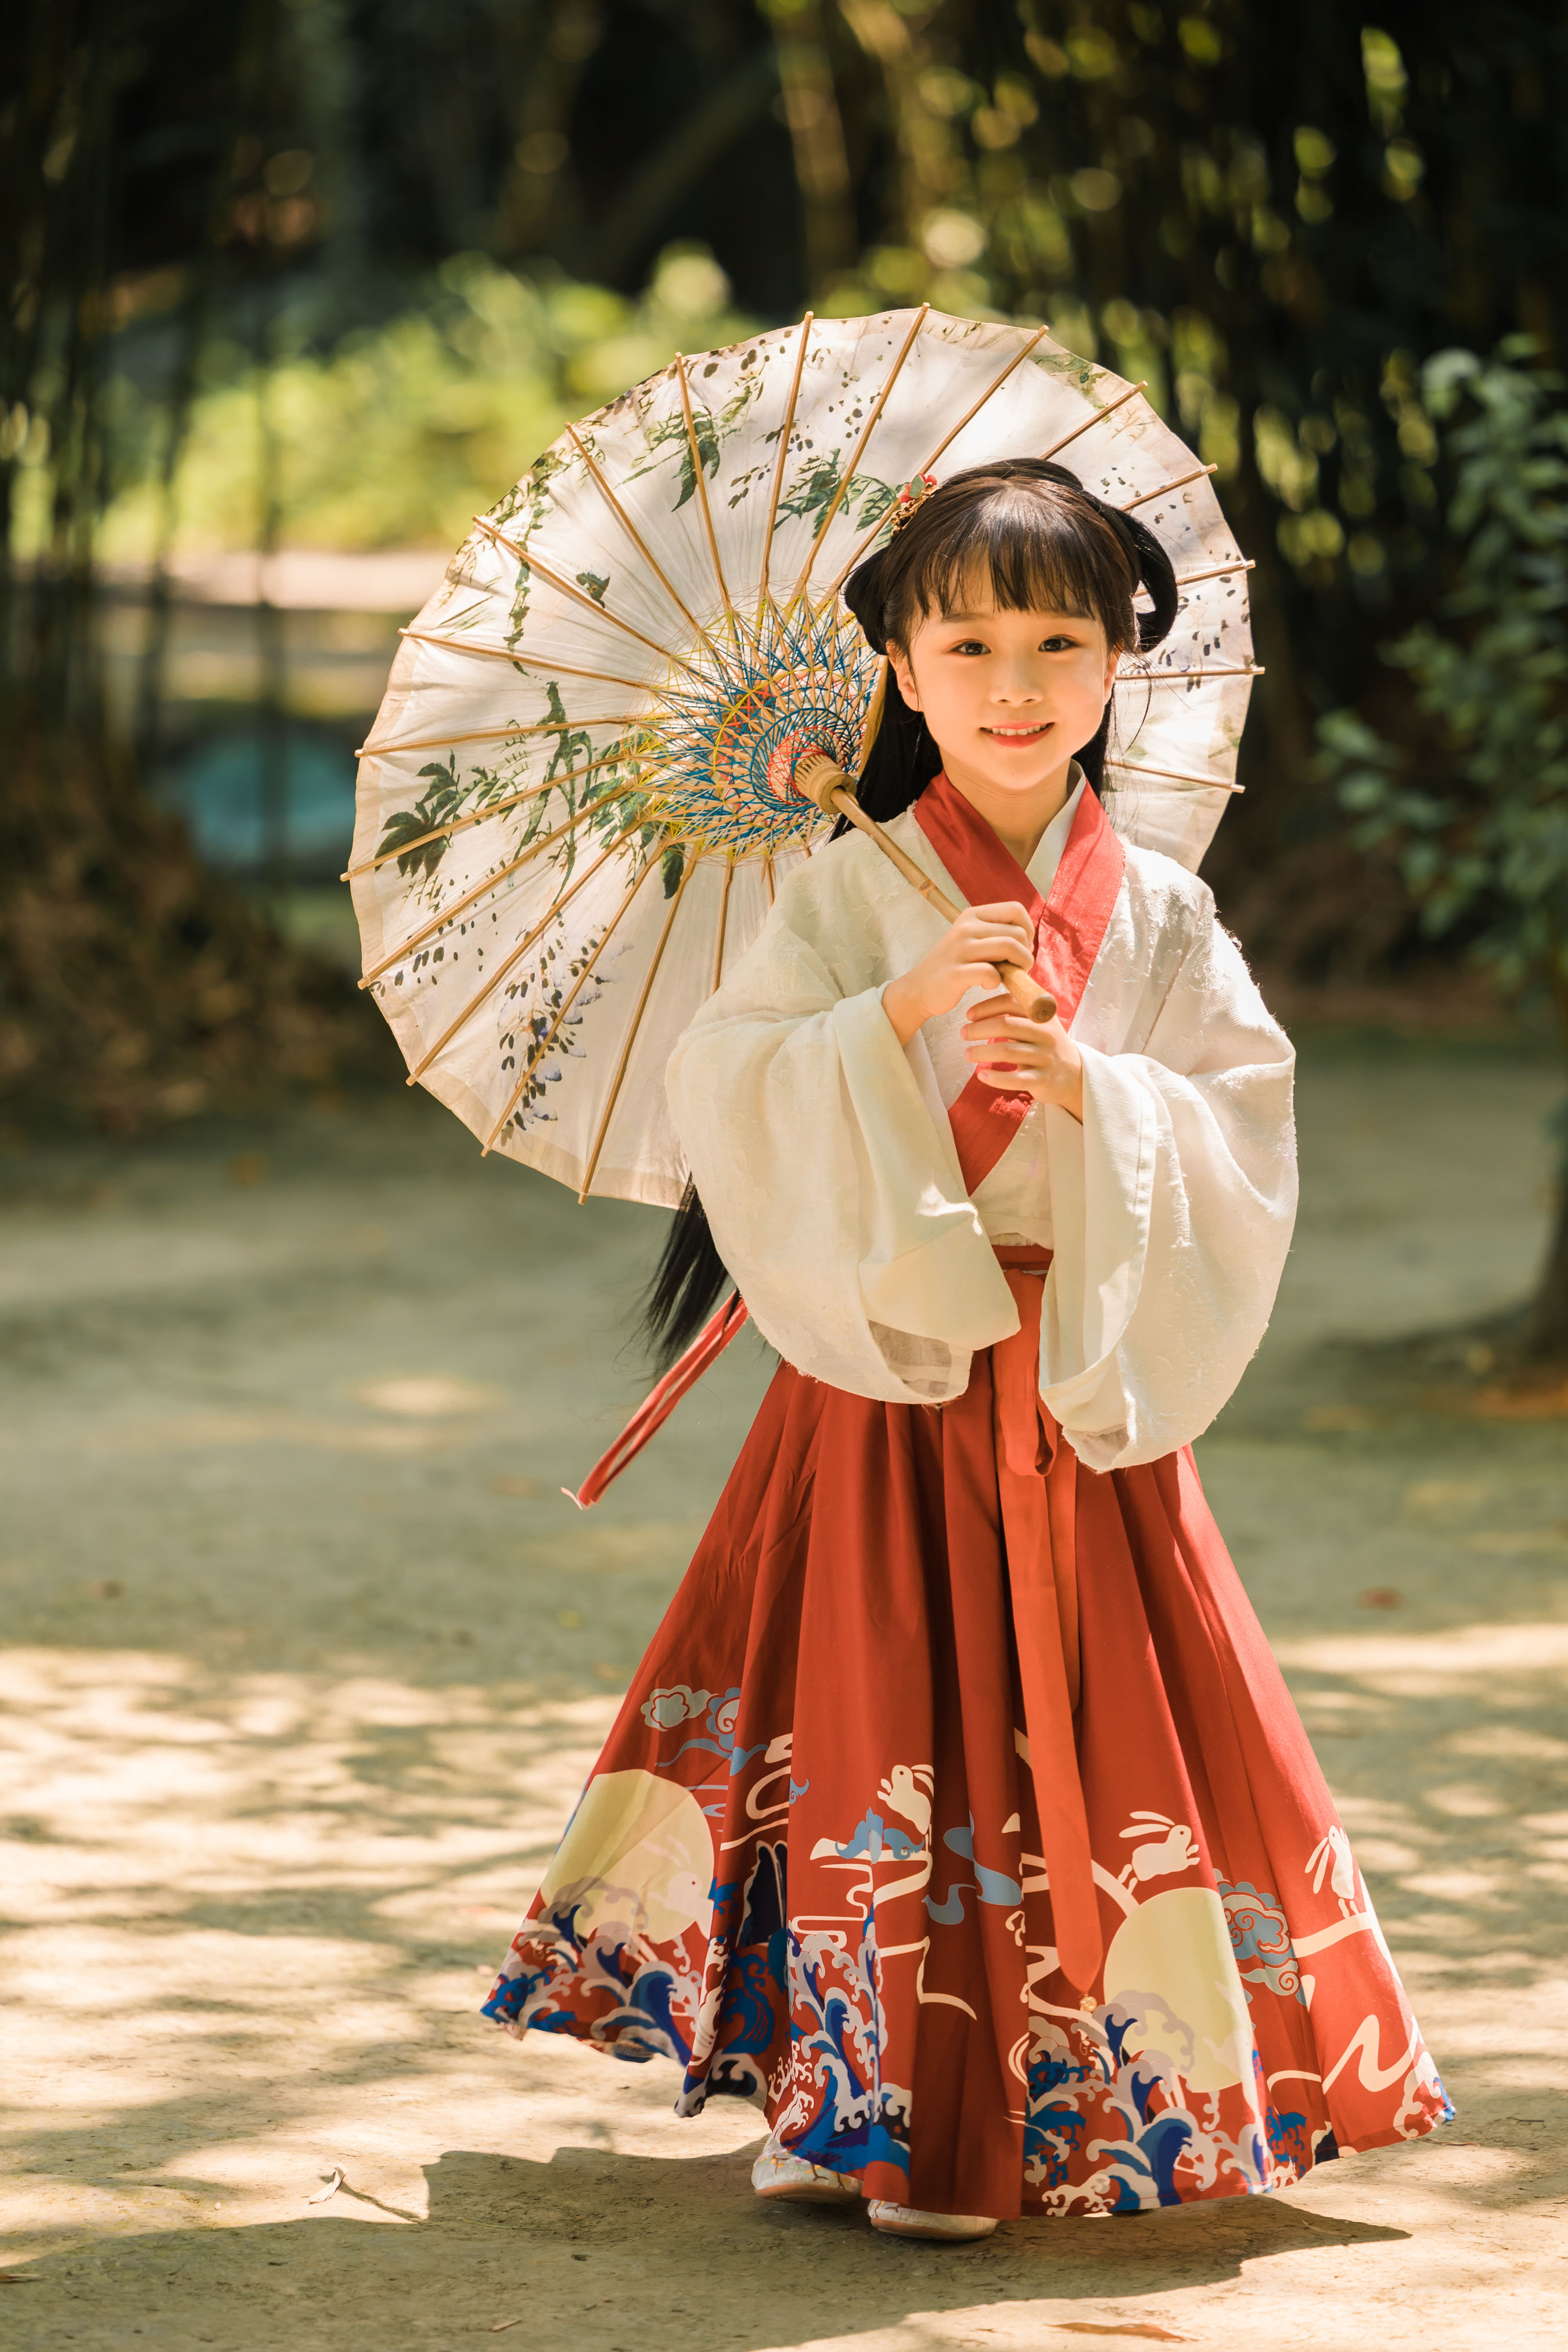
point(971, 646)
point(1057, 645)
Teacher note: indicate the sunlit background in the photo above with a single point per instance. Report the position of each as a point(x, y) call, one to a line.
point(297, 286)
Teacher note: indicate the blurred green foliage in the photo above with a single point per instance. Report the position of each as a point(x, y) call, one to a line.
point(236, 317)
point(1476, 806)
point(395, 435)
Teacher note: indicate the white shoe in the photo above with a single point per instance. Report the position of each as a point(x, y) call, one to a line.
point(804, 2183)
point(904, 2221)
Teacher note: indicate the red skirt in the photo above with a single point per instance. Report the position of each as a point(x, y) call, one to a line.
point(940, 1724)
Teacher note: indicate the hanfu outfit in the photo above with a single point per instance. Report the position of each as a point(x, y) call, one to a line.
point(958, 1813)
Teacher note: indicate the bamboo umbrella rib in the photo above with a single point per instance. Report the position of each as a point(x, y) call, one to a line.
point(492, 881)
point(857, 454)
point(723, 919)
point(616, 1082)
point(1198, 474)
point(499, 808)
point(1215, 571)
point(1188, 677)
point(524, 661)
point(784, 431)
point(768, 878)
point(969, 415)
point(578, 595)
point(1178, 775)
point(487, 735)
point(634, 534)
point(517, 953)
point(699, 480)
point(1097, 418)
point(553, 1031)
point(1016, 361)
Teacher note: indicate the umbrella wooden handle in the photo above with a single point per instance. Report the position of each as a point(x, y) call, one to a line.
point(817, 777)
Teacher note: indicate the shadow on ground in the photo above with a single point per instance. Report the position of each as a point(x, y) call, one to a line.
point(594, 2246)
point(309, 1658)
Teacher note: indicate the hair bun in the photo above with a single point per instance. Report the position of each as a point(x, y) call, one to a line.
point(1150, 565)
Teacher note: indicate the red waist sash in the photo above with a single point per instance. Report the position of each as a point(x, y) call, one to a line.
point(1037, 1479)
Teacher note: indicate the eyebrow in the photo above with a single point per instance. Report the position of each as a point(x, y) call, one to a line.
point(957, 620)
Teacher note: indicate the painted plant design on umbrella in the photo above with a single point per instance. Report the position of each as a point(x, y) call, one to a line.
point(579, 795)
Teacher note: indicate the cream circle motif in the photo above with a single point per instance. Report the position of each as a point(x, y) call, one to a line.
point(1171, 1960)
point(638, 1852)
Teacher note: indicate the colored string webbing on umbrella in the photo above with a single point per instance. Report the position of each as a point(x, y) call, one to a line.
point(660, 1402)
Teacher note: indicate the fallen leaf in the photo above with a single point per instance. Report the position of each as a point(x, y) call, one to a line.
point(1121, 2327)
point(1381, 1596)
point(16, 2278)
point(331, 2189)
point(499, 2327)
point(1522, 1403)
point(522, 1487)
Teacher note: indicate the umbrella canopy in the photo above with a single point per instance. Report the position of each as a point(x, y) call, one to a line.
point(576, 803)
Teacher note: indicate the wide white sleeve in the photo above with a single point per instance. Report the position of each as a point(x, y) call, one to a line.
point(829, 1176)
point(1173, 1206)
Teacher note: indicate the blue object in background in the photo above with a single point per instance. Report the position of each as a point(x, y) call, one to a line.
point(221, 789)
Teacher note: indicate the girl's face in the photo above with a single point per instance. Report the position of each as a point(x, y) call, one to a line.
point(1009, 698)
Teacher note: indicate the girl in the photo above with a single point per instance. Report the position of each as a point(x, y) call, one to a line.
point(958, 1812)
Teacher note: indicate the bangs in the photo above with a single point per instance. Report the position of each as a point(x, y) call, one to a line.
point(1025, 548)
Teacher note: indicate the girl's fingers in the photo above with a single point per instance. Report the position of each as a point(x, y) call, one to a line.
point(998, 948)
point(1016, 1028)
point(1000, 1008)
point(1016, 1049)
point(980, 975)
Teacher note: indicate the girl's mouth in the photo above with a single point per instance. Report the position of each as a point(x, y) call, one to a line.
point(1030, 733)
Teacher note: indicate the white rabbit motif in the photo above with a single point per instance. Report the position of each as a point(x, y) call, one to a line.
point(1175, 1850)
point(1331, 1858)
point(901, 1793)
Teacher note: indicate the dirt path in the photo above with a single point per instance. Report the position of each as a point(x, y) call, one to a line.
point(306, 1657)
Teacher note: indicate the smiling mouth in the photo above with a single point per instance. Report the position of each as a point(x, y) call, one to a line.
point(1018, 734)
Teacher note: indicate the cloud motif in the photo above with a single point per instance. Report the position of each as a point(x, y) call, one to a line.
point(680, 1704)
point(725, 1710)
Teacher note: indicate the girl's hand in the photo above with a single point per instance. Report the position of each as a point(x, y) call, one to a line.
point(966, 957)
point(1025, 1056)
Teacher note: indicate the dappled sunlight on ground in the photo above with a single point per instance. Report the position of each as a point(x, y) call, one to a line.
point(310, 1658)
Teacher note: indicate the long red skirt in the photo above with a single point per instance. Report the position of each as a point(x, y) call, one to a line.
point(811, 1865)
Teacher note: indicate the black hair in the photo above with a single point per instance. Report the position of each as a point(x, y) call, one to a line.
point(1045, 543)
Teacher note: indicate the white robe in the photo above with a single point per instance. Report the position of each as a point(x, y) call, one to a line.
point(822, 1154)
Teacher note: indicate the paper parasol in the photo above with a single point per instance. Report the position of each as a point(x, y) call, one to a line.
point(576, 803)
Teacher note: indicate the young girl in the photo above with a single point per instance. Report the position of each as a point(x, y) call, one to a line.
point(958, 1812)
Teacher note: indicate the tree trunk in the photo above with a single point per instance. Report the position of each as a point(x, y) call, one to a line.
point(135, 984)
point(1549, 1310)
